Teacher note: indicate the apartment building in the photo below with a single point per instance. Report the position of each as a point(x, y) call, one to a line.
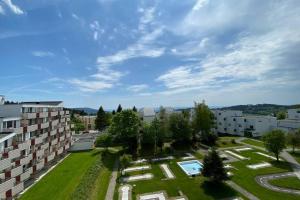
point(292, 122)
point(88, 121)
point(147, 114)
point(32, 135)
point(235, 123)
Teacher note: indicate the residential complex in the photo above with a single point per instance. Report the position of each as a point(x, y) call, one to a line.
point(292, 122)
point(32, 135)
point(88, 121)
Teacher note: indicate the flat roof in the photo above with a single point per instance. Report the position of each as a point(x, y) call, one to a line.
point(52, 103)
point(6, 136)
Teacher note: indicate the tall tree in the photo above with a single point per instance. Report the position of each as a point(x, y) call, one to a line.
point(125, 126)
point(134, 109)
point(180, 128)
point(163, 132)
point(119, 109)
point(274, 142)
point(203, 121)
point(113, 112)
point(293, 139)
point(213, 167)
point(101, 121)
point(281, 115)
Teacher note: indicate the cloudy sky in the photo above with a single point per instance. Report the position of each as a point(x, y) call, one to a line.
point(151, 52)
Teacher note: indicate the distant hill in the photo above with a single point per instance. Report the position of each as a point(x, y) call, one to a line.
point(89, 111)
point(261, 109)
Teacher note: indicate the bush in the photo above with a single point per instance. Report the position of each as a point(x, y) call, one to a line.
point(125, 160)
point(104, 140)
point(224, 142)
point(233, 141)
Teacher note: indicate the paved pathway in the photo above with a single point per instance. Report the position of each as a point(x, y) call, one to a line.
point(263, 180)
point(294, 164)
point(112, 182)
point(241, 190)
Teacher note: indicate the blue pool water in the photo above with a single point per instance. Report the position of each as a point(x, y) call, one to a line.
point(191, 167)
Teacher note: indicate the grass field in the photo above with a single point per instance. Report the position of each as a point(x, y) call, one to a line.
point(194, 188)
point(62, 181)
point(228, 141)
point(287, 182)
point(296, 155)
point(254, 142)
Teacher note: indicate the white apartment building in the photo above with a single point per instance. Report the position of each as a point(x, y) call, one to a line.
point(292, 122)
point(32, 134)
point(147, 114)
point(235, 123)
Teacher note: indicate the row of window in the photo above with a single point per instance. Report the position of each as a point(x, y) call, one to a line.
point(35, 110)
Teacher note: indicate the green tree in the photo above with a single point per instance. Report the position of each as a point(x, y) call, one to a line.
point(281, 115)
point(119, 109)
point(78, 125)
point(213, 167)
point(203, 121)
point(274, 142)
point(151, 135)
point(104, 140)
point(101, 121)
point(125, 126)
point(113, 112)
point(180, 128)
point(163, 132)
point(293, 139)
point(125, 160)
point(134, 109)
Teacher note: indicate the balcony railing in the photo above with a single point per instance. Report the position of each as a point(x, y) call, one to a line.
point(4, 164)
point(17, 189)
point(17, 171)
point(7, 185)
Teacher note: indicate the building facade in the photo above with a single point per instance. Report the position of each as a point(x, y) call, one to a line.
point(88, 121)
point(147, 114)
point(292, 122)
point(32, 134)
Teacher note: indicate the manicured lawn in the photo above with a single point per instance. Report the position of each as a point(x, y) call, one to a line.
point(296, 155)
point(62, 181)
point(194, 188)
point(254, 142)
point(288, 182)
point(228, 141)
point(245, 177)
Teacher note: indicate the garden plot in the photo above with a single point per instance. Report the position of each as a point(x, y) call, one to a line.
point(236, 155)
point(165, 168)
point(125, 192)
point(162, 159)
point(158, 196)
point(140, 168)
point(188, 156)
point(147, 176)
point(139, 161)
point(259, 165)
point(266, 155)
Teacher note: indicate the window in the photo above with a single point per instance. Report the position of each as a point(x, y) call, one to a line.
point(225, 129)
point(234, 119)
point(234, 130)
point(224, 118)
point(245, 120)
point(219, 113)
point(251, 127)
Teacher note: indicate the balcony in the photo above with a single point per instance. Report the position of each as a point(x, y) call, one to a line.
point(53, 132)
point(25, 175)
point(4, 164)
point(67, 112)
point(45, 125)
point(60, 151)
point(28, 115)
point(43, 114)
point(54, 123)
point(67, 146)
point(53, 114)
point(51, 157)
point(17, 189)
point(7, 185)
point(40, 165)
point(62, 138)
point(54, 142)
point(22, 146)
point(16, 171)
point(32, 128)
point(26, 159)
point(14, 154)
point(68, 135)
point(61, 112)
point(61, 129)
point(63, 120)
point(45, 146)
point(14, 130)
point(72, 125)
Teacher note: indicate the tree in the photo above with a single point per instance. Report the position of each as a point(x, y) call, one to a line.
point(134, 109)
point(180, 128)
point(213, 167)
point(104, 140)
point(125, 126)
point(78, 125)
point(163, 132)
point(281, 115)
point(101, 121)
point(203, 121)
point(125, 160)
point(113, 112)
point(293, 139)
point(119, 109)
point(274, 142)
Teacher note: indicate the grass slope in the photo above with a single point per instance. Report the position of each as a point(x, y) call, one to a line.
point(288, 182)
point(254, 142)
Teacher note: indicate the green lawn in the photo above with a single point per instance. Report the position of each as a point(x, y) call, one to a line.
point(62, 181)
point(288, 182)
point(194, 188)
point(228, 141)
point(245, 177)
point(254, 142)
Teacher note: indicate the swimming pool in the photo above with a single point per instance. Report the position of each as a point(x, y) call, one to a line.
point(191, 167)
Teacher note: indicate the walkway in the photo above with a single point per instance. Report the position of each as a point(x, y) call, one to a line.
point(112, 182)
point(263, 180)
point(241, 190)
point(294, 164)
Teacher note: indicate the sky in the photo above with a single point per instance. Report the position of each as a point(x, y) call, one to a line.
point(150, 52)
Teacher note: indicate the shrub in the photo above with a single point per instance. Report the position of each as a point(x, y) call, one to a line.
point(233, 141)
point(125, 160)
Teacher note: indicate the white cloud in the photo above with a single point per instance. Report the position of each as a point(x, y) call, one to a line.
point(199, 4)
point(137, 88)
point(43, 54)
point(90, 86)
point(14, 8)
point(146, 18)
point(142, 48)
point(96, 29)
point(2, 10)
point(75, 16)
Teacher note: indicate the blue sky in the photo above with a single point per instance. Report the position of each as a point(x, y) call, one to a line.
point(150, 53)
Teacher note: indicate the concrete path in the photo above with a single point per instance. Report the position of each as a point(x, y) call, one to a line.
point(294, 164)
point(263, 180)
point(241, 190)
point(112, 182)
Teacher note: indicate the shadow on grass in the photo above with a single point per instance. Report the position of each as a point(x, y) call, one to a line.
point(218, 190)
point(282, 165)
point(108, 159)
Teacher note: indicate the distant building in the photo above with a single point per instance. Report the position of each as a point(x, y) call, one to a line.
point(292, 122)
point(32, 134)
point(147, 114)
point(88, 121)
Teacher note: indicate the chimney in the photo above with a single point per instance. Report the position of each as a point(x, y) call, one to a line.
point(2, 99)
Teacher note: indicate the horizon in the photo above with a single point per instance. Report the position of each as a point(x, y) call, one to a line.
point(150, 53)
